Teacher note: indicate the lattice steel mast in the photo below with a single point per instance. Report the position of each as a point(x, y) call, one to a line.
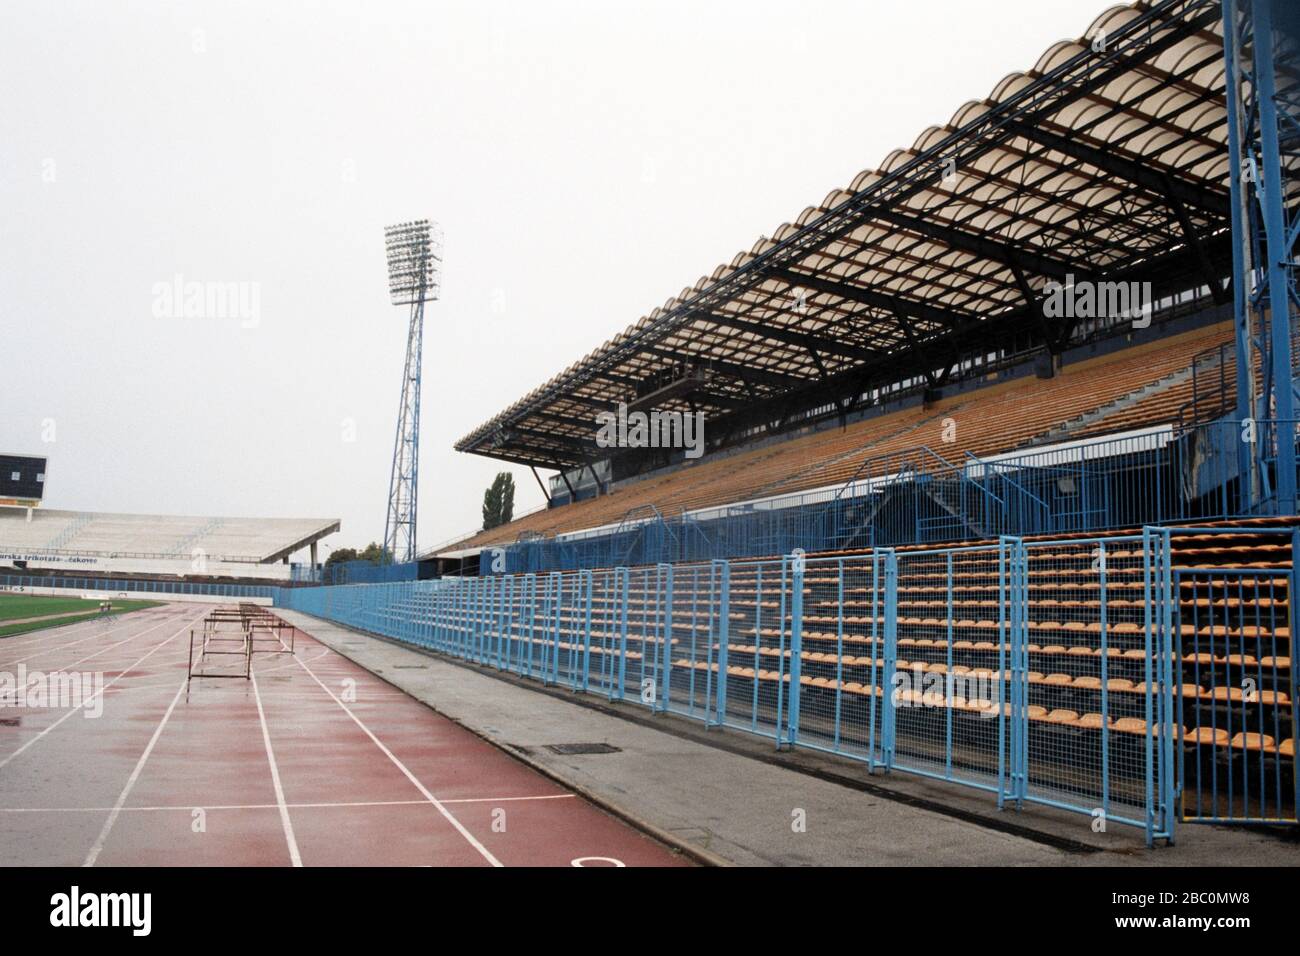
point(414, 277)
point(1262, 60)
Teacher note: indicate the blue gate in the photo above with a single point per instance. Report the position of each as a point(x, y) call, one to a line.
point(1236, 684)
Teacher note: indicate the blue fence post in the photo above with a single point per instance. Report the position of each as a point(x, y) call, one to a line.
point(1020, 648)
point(508, 638)
point(473, 597)
point(1293, 598)
point(781, 670)
point(797, 565)
point(891, 658)
point(466, 630)
point(460, 618)
point(1011, 686)
point(503, 620)
point(553, 648)
point(454, 604)
point(531, 580)
point(1004, 639)
point(486, 588)
point(473, 618)
point(839, 650)
point(622, 586)
point(438, 610)
point(443, 634)
point(588, 581)
point(489, 621)
point(876, 698)
point(948, 664)
point(544, 630)
point(1104, 645)
point(1168, 651)
point(664, 576)
point(723, 571)
point(1150, 588)
point(485, 605)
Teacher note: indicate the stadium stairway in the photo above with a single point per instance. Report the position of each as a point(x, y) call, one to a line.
point(1109, 413)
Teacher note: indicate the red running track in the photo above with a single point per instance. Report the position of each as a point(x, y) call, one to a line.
point(314, 762)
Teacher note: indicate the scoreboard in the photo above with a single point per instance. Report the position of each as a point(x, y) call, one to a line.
point(22, 480)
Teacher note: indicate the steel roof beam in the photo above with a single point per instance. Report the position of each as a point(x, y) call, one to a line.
point(871, 297)
point(791, 336)
point(977, 245)
point(1153, 180)
point(746, 373)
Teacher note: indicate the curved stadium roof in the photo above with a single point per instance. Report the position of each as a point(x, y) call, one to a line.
point(1108, 159)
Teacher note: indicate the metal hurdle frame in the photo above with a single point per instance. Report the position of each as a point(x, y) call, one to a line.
point(208, 638)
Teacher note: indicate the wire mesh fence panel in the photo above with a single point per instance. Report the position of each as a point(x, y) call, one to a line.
point(691, 668)
point(528, 627)
point(755, 696)
point(948, 692)
point(602, 655)
point(647, 606)
point(484, 608)
point(570, 633)
point(1093, 677)
point(552, 631)
point(457, 627)
point(501, 616)
point(841, 656)
point(1236, 692)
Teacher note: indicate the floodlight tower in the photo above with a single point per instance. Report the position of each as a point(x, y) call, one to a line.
point(414, 278)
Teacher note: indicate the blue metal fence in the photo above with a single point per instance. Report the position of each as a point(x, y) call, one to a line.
point(821, 521)
point(1235, 686)
point(367, 572)
point(136, 586)
point(1046, 671)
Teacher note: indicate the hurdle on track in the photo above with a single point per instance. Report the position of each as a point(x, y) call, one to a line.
point(237, 632)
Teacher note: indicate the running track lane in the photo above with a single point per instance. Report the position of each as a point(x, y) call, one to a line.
point(314, 762)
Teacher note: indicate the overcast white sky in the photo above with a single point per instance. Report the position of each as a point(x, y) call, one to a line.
point(586, 160)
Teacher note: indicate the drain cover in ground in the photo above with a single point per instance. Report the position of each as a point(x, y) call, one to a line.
point(582, 748)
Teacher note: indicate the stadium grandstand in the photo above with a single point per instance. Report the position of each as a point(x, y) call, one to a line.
point(998, 472)
point(902, 332)
point(83, 543)
point(1134, 397)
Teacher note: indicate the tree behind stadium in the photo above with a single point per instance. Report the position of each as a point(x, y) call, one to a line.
point(499, 501)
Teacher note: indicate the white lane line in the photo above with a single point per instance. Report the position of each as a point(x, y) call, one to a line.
point(104, 633)
point(98, 846)
point(438, 804)
point(157, 647)
point(48, 637)
point(30, 638)
point(264, 670)
point(275, 779)
point(549, 796)
point(126, 640)
point(275, 806)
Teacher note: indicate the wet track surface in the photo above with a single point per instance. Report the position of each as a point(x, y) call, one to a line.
point(313, 761)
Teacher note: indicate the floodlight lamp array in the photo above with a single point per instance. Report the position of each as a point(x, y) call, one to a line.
point(414, 261)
